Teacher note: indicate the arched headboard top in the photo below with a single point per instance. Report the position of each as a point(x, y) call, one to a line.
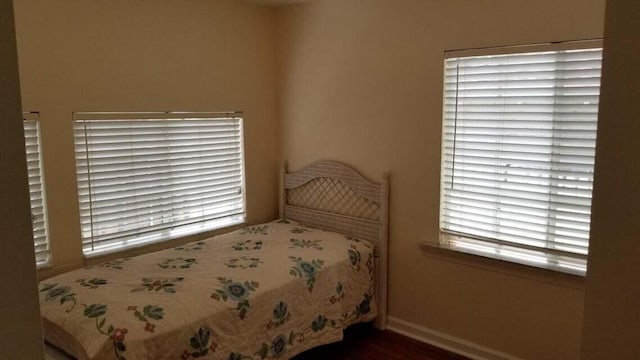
point(337, 171)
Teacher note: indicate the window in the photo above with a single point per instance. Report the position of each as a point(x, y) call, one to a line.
point(518, 152)
point(148, 177)
point(36, 191)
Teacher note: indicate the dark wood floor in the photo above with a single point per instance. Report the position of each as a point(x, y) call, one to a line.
point(362, 341)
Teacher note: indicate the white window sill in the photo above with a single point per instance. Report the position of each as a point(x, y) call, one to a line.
point(44, 265)
point(501, 264)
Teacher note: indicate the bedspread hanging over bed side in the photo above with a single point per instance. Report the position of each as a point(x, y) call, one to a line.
point(266, 291)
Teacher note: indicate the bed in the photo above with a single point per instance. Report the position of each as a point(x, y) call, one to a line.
point(271, 290)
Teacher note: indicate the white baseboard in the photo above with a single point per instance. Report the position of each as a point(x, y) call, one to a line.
point(445, 341)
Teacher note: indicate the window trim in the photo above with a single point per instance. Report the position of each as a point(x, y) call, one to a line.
point(496, 249)
point(181, 231)
point(34, 116)
point(525, 48)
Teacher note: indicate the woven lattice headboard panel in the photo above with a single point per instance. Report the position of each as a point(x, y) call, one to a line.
point(335, 196)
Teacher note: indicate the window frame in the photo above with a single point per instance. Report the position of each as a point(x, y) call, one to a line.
point(34, 117)
point(494, 248)
point(145, 238)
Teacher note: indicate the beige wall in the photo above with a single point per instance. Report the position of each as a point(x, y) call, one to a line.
point(20, 330)
point(122, 55)
point(361, 82)
point(358, 81)
point(612, 297)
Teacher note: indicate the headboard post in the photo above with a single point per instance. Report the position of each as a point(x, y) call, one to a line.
point(383, 255)
point(282, 194)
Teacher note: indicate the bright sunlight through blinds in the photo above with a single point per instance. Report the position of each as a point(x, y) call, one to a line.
point(36, 193)
point(150, 177)
point(518, 151)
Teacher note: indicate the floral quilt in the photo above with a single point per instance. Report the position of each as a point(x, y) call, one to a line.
point(262, 292)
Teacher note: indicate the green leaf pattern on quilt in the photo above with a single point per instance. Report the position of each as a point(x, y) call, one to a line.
point(280, 315)
point(299, 230)
point(306, 269)
point(275, 349)
point(177, 263)
point(236, 291)
point(92, 283)
point(339, 295)
point(199, 344)
point(255, 230)
point(364, 307)
point(95, 310)
point(247, 245)
point(303, 243)
point(157, 284)
point(243, 262)
point(148, 313)
point(355, 257)
point(92, 311)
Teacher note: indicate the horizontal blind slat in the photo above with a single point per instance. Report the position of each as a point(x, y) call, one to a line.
point(36, 193)
point(169, 202)
point(131, 237)
point(114, 229)
point(518, 147)
point(134, 173)
point(163, 173)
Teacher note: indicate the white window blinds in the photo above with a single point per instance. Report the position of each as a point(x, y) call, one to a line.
point(518, 153)
point(148, 177)
point(36, 191)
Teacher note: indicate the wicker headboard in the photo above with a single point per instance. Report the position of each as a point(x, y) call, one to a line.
point(333, 196)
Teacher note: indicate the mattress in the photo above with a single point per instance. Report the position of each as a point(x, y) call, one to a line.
point(266, 291)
